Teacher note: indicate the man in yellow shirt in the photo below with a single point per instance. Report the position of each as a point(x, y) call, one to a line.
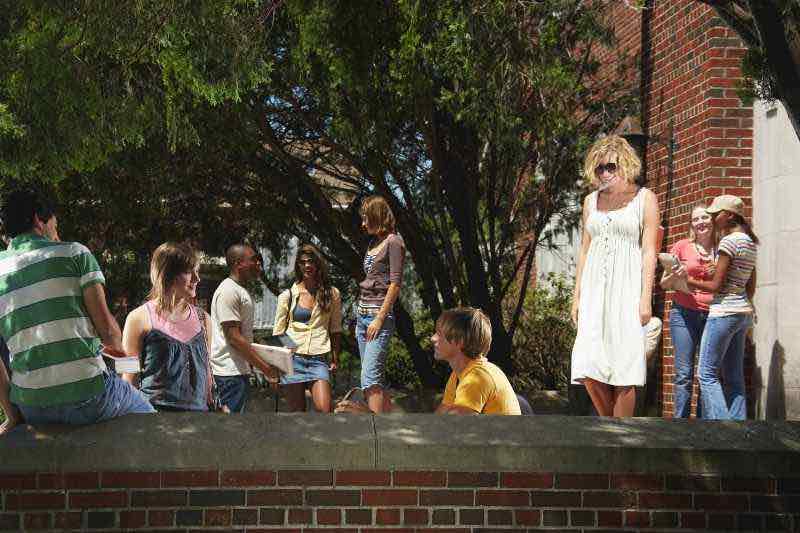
point(476, 386)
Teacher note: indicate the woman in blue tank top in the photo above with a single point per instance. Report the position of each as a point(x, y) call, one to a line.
point(170, 334)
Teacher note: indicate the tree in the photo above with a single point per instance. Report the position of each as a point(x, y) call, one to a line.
point(470, 117)
point(771, 31)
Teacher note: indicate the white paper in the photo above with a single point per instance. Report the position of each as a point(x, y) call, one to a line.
point(125, 365)
point(668, 262)
point(280, 358)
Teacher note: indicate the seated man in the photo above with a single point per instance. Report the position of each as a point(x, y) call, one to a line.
point(476, 386)
point(54, 318)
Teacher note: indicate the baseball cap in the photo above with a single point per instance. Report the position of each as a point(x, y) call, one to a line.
point(727, 202)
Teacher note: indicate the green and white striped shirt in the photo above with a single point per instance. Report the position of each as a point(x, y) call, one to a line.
point(53, 343)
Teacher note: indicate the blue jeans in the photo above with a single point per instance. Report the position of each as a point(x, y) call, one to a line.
point(373, 353)
point(686, 328)
point(233, 391)
point(118, 399)
point(722, 351)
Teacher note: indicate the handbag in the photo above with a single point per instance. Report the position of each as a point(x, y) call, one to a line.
point(212, 392)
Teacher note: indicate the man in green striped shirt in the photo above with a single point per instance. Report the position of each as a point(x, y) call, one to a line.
point(54, 318)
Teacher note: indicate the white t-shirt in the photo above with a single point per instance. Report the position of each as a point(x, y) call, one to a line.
point(231, 303)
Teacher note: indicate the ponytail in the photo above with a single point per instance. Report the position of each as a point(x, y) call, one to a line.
point(747, 229)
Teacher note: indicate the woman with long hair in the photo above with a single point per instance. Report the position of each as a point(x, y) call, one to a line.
point(730, 314)
point(310, 313)
point(687, 317)
point(614, 278)
point(170, 334)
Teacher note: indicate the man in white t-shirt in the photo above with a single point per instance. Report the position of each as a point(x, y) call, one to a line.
point(232, 351)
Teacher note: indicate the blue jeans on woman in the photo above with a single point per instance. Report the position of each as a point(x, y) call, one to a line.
point(686, 328)
point(722, 351)
point(373, 353)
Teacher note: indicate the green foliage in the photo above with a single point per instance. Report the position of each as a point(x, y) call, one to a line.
point(400, 371)
point(543, 343)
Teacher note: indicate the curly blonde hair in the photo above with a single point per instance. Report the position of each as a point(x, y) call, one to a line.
point(628, 163)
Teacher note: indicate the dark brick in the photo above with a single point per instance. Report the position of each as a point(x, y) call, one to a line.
point(161, 517)
point(274, 497)
point(774, 503)
point(216, 498)
point(98, 500)
point(132, 519)
point(186, 517)
point(637, 519)
point(371, 497)
point(778, 522)
point(760, 486)
point(750, 522)
point(720, 502)
point(9, 522)
point(637, 482)
point(471, 517)
point(554, 518)
point(789, 485)
point(217, 517)
point(693, 520)
point(332, 517)
point(528, 517)
point(665, 519)
point(582, 481)
point(543, 498)
point(190, 478)
point(443, 517)
point(272, 516)
point(358, 516)
point(300, 516)
point(305, 477)
point(158, 498)
point(447, 497)
point(609, 499)
point(248, 478)
point(130, 480)
point(523, 480)
point(96, 519)
point(581, 518)
point(245, 517)
point(503, 498)
point(387, 517)
point(694, 483)
point(20, 482)
point(499, 517)
point(82, 480)
point(70, 520)
point(374, 478)
point(333, 498)
point(37, 500)
point(472, 479)
point(416, 478)
point(664, 500)
point(415, 517)
point(38, 521)
point(609, 518)
point(721, 521)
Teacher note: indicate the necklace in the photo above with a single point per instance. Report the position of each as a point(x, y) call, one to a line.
point(704, 254)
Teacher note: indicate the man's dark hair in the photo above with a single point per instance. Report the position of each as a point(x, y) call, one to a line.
point(234, 254)
point(19, 208)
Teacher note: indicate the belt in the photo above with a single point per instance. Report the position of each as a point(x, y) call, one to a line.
point(368, 311)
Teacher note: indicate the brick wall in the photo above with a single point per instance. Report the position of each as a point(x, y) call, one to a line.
point(690, 72)
point(399, 500)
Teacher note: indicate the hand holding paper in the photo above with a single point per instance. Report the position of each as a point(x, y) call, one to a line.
point(675, 272)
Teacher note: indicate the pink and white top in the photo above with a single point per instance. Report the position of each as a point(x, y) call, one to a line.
point(697, 267)
point(183, 330)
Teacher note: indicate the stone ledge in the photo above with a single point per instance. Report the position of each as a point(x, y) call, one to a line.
point(537, 443)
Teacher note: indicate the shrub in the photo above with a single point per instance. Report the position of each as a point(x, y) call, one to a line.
point(544, 338)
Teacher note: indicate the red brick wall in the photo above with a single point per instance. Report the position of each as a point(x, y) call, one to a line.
point(436, 501)
point(689, 77)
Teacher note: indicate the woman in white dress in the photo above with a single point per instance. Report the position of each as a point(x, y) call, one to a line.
point(614, 278)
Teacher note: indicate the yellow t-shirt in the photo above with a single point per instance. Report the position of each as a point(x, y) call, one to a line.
point(482, 387)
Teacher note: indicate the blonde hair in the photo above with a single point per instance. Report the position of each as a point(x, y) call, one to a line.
point(377, 214)
point(628, 163)
point(692, 235)
point(468, 326)
point(169, 261)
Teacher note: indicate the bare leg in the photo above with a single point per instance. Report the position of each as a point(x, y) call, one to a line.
point(601, 395)
point(295, 394)
point(375, 399)
point(624, 401)
point(321, 396)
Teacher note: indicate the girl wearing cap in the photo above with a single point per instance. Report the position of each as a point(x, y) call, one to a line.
point(614, 279)
point(687, 318)
point(730, 314)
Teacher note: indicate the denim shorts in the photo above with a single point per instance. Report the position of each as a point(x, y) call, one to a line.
point(233, 391)
point(308, 368)
point(373, 353)
point(119, 398)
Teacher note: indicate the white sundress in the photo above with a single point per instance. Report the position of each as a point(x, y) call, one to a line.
point(609, 346)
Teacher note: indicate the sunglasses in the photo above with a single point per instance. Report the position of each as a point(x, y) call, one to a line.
point(609, 167)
